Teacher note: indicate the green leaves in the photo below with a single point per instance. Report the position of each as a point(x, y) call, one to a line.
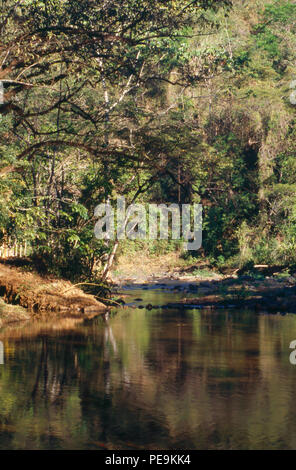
point(81, 210)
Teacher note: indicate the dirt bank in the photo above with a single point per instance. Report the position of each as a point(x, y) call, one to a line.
point(43, 294)
point(12, 313)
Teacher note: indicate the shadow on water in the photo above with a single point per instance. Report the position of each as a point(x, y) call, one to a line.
point(153, 379)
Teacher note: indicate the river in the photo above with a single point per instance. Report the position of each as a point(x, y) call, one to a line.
point(150, 379)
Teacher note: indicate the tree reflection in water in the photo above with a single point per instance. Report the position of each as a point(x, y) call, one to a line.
point(149, 379)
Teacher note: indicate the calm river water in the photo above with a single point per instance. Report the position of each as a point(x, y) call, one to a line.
point(150, 379)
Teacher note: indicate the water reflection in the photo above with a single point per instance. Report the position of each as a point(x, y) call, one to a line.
point(159, 379)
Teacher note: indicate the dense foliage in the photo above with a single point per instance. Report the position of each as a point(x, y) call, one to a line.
point(156, 100)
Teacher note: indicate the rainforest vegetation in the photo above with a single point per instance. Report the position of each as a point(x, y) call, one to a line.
point(155, 100)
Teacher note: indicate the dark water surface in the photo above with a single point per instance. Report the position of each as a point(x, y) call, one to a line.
point(158, 379)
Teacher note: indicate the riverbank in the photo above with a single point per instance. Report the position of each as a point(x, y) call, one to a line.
point(35, 294)
point(269, 295)
point(12, 313)
point(27, 294)
point(266, 289)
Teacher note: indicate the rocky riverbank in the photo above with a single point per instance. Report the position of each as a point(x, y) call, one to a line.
point(270, 294)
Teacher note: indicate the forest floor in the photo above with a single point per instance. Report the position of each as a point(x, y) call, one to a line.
point(140, 268)
point(29, 293)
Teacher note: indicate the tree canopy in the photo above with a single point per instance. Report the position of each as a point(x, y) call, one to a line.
point(166, 101)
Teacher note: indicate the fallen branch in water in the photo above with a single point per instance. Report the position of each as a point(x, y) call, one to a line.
point(81, 284)
point(108, 300)
point(96, 296)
